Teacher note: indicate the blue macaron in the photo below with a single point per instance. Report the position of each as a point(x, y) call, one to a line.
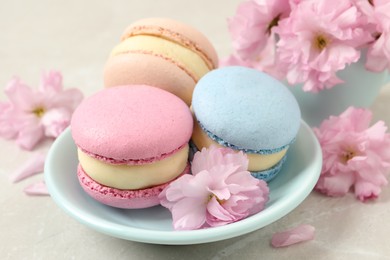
point(247, 110)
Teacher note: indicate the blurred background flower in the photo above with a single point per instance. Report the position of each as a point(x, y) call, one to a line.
point(309, 41)
point(31, 115)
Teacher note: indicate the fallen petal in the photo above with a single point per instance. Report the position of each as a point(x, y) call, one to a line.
point(33, 166)
point(296, 235)
point(36, 189)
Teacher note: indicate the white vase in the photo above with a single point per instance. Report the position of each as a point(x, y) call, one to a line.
point(360, 88)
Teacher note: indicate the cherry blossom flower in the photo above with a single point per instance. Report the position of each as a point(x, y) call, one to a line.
point(308, 42)
point(253, 24)
point(293, 236)
point(318, 39)
point(264, 61)
point(32, 115)
point(378, 55)
point(355, 155)
point(220, 191)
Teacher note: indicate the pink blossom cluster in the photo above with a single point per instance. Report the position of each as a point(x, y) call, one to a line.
point(220, 191)
point(309, 41)
point(356, 155)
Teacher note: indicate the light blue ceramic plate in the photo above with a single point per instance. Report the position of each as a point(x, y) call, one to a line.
point(154, 225)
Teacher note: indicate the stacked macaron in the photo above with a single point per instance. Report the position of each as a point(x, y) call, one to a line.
point(248, 111)
point(163, 53)
point(132, 141)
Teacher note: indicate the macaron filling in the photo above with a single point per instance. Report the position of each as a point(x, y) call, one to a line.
point(259, 160)
point(270, 173)
point(183, 57)
point(128, 199)
point(222, 142)
point(132, 177)
point(116, 161)
point(206, 52)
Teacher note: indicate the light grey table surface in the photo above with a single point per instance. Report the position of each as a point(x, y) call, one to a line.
point(76, 37)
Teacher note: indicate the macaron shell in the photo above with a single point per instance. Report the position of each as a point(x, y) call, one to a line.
point(246, 108)
point(127, 199)
point(176, 31)
point(139, 68)
point(271, 173)
point(131, 123)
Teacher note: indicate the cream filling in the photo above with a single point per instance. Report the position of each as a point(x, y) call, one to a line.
point(257, 162)
point(133, 177)
point(162, 47)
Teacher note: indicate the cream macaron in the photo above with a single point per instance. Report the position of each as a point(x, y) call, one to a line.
point(163, 53)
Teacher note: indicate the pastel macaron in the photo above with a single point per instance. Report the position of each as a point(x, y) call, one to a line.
point(246, 110)
point(163, 53)
point(132, 142)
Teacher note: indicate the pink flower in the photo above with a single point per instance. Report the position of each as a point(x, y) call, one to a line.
point(378, 55)
point(265, 61)
point(220, 191)
point(253, 24)
point(355, 155)
point(32, 115)
point(318, 39)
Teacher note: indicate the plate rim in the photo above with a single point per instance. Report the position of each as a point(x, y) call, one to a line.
point(188, 236)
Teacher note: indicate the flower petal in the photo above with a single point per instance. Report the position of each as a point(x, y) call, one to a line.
point(206, 159)
point(337, 185)
point(55, 121)
point(218, 215)
point(51, 81)
point(174, 191)
point(197, 186)
point(30, 136)
point(7, 121)
point(366, 191)
point(33, 166)
point(37, 189)
point(296, 235)
point(20, 95)
point(188, 214)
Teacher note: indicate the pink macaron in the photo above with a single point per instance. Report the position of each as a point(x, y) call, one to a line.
point(132, 142)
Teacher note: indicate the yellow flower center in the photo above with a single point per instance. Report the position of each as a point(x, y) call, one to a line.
point(273, 23)
point(39, 111)
point(320, 42)
point(347, 155)
point(219, 200)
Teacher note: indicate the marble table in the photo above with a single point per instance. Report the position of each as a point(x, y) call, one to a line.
point(75, 37)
